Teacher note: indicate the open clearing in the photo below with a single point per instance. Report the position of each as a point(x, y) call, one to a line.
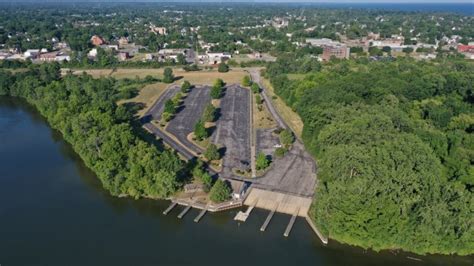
point(203, 77)
point(292, 119)
point(147, 96)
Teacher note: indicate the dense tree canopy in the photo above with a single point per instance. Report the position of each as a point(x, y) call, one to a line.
point(84, 110)
point(395, 151)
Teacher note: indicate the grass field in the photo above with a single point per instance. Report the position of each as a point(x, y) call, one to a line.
point(291, 117)
point(204, 77)
point(147, 96)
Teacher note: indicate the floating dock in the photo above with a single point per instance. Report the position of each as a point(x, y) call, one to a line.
point(181, 214)
point(172, 205)
point(290, 224)
point(200, 215)
point(242, 216)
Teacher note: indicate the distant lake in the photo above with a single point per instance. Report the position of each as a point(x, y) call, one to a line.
point(53, 211)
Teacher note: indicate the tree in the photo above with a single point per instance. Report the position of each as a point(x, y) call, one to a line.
point(185, 87)
point(181, 59)
point(166, 117)
point(220, 192)
point(216, 92)
point(170, 107)
point(280, 152)
point(212, 152)
point(246, 82)
point(262, 161)
point(286, 138)
point(223, 67)
point(200, 130)
point(218, 83)
point(255, 88)
point(407, 50)
point(206, 180)
point(387, 49)
point(209, 113)
point(168, 76)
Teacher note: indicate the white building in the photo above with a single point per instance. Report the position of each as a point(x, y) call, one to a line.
point(32, 53)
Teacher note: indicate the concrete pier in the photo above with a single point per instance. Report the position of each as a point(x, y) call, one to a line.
point(184, 211)
point(290, 224)
point(269, 217)
point(172, 205)
point(200, 215)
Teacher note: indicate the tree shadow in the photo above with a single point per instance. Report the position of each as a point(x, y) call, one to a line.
point(217, 114)
point(222, 151)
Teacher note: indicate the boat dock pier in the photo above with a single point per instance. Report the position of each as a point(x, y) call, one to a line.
point(200, 215)
point(269, 218)
point(291, 223)
point(172, 205)
point(181, 215)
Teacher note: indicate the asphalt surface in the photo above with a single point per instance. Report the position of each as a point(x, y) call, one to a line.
point(157, 108)
point(233, 129)
point(189, 113)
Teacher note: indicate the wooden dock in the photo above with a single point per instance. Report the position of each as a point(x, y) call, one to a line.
point(200, 215)
point(172, 205)
point(291, 223)
point(181, 214)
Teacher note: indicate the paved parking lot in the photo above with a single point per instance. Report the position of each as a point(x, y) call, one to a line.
point(266, 141)
point(294, 174)
point(157, 108)
point(189, 113)
point(233, 129)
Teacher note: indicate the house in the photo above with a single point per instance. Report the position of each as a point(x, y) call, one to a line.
point(32, 53)
point(96, 40)
point(123, 41)
point(48, 57)
point(465, 48)
point(122, 56)
point(217, 57)
point(238, 188)
point(92, 53)
point(159, 30)
point(340, 51)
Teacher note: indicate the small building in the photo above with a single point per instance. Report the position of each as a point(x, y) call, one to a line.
point(159, 30)
point(238, 188)
point(465, 48)
point(96, 40)
point(218, 57)
point(48, 57)
point(92, 53)
point(123, 41)
point(149, 57)
point(122, 56)
point(32, 53)
point(339, 51)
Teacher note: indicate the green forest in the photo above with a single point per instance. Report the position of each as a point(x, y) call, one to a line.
point(394, 147)
point(84, 110)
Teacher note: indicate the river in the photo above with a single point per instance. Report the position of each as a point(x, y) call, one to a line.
point(53, 211)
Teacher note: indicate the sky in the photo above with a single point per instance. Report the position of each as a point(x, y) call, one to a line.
point(287, 1)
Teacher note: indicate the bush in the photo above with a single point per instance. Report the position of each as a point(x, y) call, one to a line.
point(255, 88)
point(168, 76)
point(262, 161)
point(246, 81)
point(220, 192)
point(286, 138)
point(185, 87)
point(209, 113)
point(212, 152)
point(223, 67)
point(200, 131)
point(280, 152)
